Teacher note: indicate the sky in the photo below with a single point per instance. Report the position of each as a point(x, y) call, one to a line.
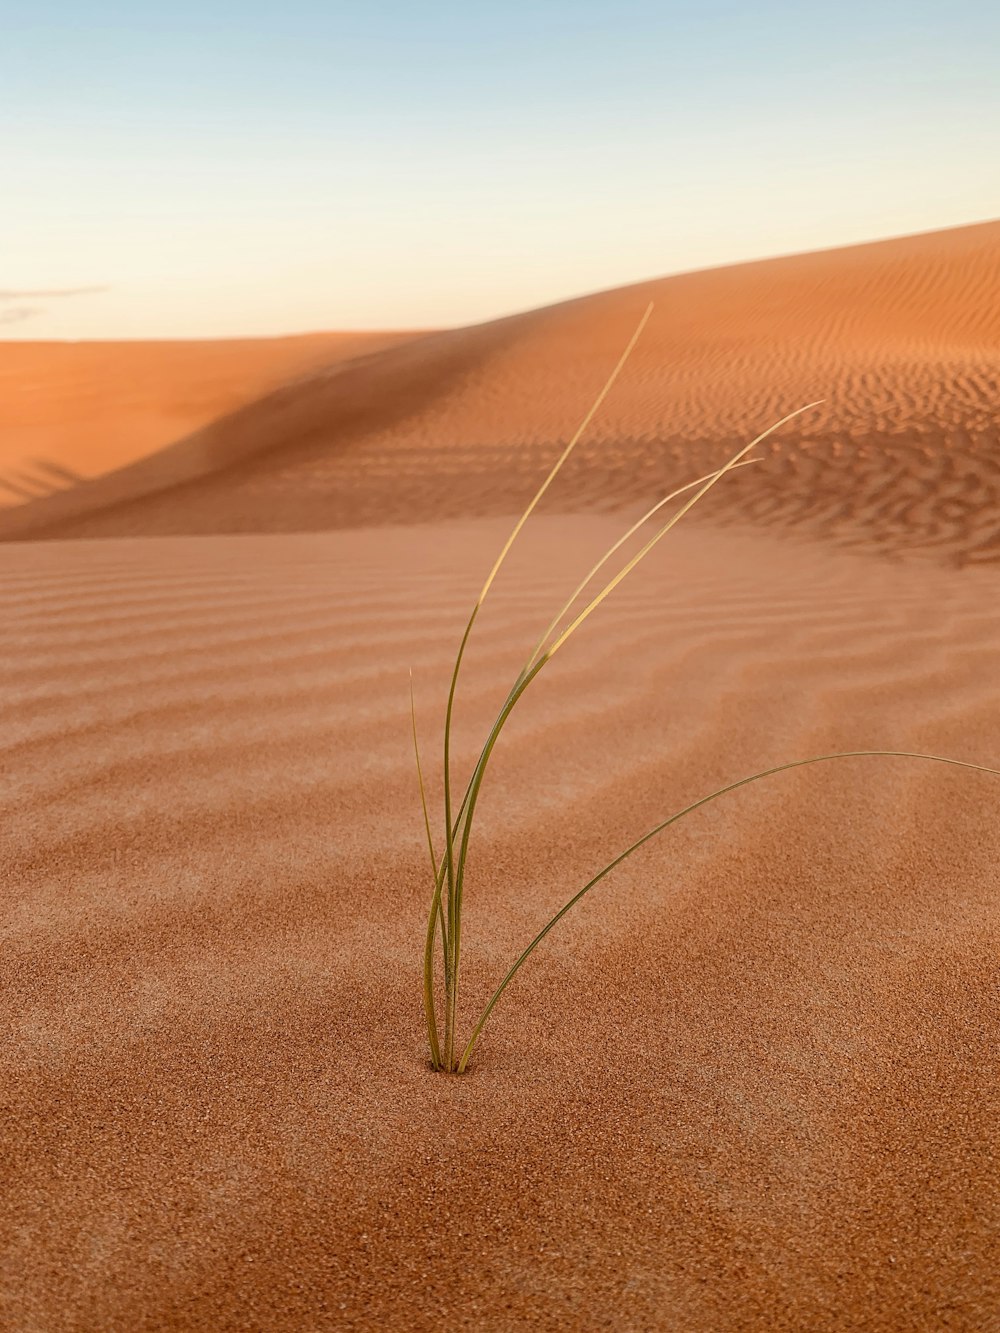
point(219, 169)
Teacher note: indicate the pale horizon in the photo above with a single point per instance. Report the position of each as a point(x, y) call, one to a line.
point(318, 331)
point(244, 173)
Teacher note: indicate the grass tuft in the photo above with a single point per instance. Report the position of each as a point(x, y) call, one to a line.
point(448, 871)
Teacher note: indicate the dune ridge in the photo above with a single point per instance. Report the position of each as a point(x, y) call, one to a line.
point(900, 337)
point(753, 1085)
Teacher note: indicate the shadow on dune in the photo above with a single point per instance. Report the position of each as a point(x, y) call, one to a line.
point(901, 339)
point(39, 477)
point(341, 401)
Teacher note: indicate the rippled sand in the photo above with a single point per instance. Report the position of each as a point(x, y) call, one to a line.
point(750, 1083)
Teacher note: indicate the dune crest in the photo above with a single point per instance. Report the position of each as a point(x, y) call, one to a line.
point(901, 338)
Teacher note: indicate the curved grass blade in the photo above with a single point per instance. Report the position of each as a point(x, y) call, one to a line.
point(680, 814)
point(420, 780)
point(574, 441)
point(435, 863)
point(676, 518)
point(612, 550)
point(705, 484)
point(527, 672)
point(454, 918)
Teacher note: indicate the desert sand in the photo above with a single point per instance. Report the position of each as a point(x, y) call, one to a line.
point(751, 1082)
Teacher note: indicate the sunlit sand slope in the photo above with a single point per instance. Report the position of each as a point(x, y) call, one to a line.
point(901, 338)
point(751, 1084)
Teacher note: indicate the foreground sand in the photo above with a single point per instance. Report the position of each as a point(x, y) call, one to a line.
point(751, 1085)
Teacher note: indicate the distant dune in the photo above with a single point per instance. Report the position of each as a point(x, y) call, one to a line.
point(77, 409)
point(900, 337)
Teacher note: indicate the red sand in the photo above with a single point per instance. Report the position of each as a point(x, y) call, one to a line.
point(750, 1084)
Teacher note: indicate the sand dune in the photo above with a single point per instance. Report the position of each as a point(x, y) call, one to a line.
point(901, 338)
point(72, 411)
point(749, 1084)
point(754, 1086)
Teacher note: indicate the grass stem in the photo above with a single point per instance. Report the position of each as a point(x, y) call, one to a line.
point(453, 949)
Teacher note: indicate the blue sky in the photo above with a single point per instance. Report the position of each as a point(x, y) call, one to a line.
point(223, 169)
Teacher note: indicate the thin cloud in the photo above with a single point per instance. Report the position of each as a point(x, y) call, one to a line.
point(47, 294)
point(18, 313)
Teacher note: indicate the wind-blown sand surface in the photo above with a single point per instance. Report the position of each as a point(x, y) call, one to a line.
point(752, 1082)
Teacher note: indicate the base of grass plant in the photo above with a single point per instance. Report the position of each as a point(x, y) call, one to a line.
point(448, 871)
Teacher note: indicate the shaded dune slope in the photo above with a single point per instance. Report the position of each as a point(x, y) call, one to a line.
point(751, 1086)
point(90, 407)
point(901, 338)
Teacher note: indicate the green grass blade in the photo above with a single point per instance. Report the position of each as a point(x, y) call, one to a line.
point(449, 850)
point(429, 1011)
point(536, 663)
point(612, 550)
point(435, 863)
point(420, 781)
point(713, 479)
point(680, 814)
point(475, 785)
point(454, 922)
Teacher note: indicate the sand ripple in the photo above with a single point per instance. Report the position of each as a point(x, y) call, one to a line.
point(754, 1086)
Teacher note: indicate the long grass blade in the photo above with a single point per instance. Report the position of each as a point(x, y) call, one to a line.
point(613, 550)
point(453, 911)
point(673, 819)
point(704, 484)
point(435, 863)
point(429, 1011)
point(420, 781)
point(574, 441)
point(451, 998)
point(674, 520)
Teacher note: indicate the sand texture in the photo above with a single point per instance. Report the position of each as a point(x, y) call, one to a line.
point(753, 1081)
